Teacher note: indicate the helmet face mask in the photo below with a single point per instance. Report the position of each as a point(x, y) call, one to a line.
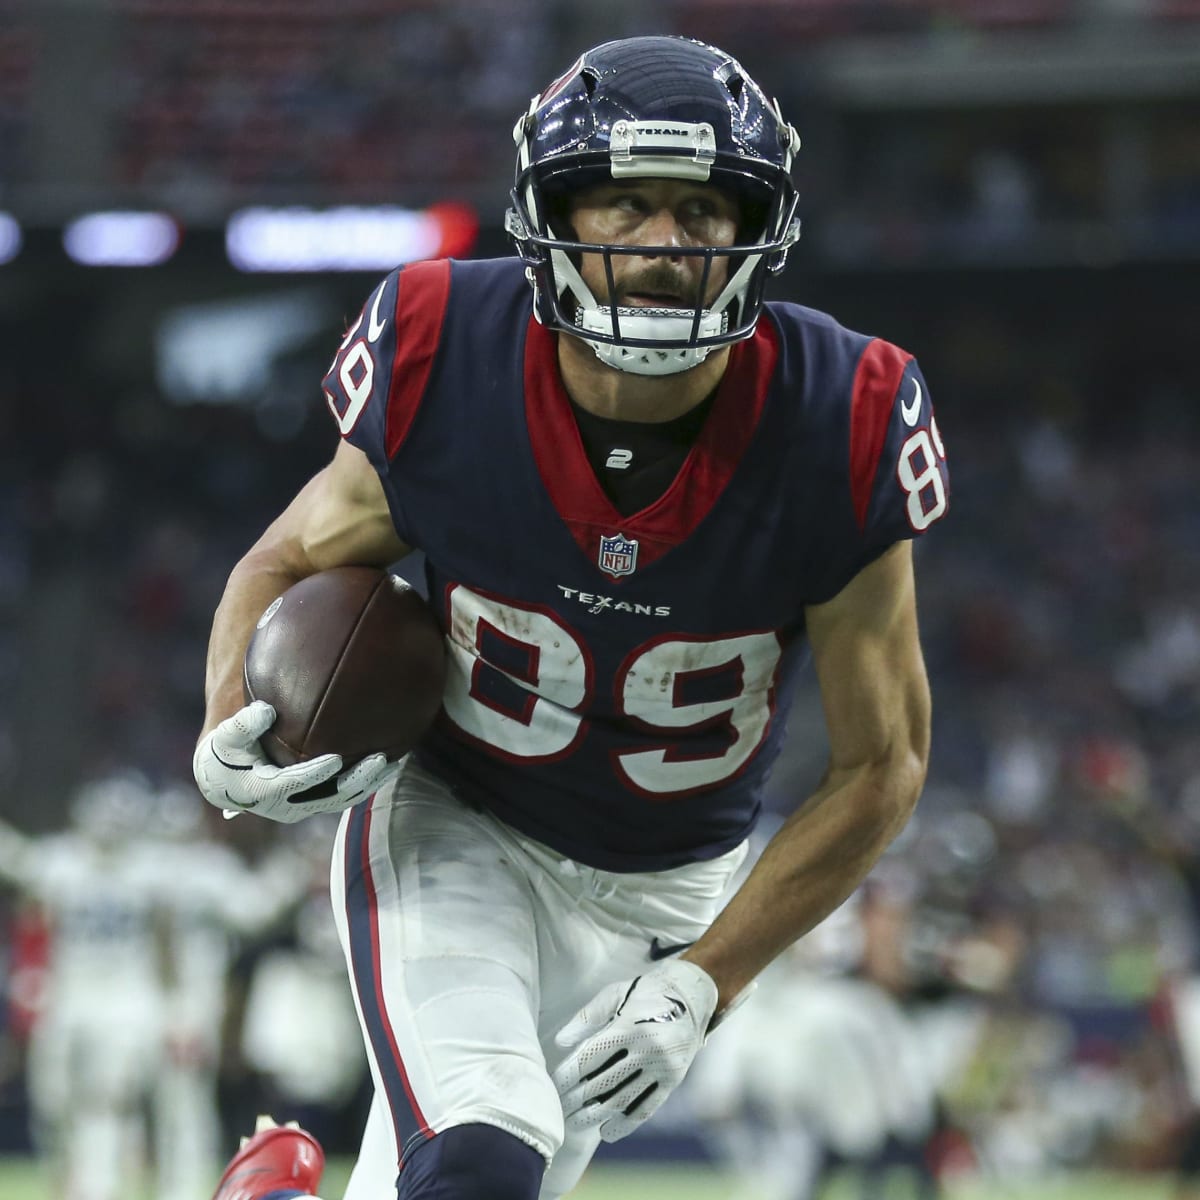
point(653, 108)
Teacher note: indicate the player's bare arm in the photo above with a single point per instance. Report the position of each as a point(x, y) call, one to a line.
point(875, 695)
point(339, 517)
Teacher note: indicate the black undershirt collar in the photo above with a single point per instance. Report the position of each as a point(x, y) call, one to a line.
point(636, 461)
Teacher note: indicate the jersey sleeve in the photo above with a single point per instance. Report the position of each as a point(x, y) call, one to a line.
point(899, 481)
point(378, 376)
point(899, 485)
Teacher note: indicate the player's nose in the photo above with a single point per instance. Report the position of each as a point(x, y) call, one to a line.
point(660, 228)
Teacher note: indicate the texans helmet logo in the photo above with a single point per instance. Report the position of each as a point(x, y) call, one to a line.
point(561, 82)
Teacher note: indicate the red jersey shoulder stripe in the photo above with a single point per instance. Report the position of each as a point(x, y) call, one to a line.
point(875, 384)
point(422, 292)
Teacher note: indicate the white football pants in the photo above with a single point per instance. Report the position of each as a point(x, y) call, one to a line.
point(470, 946)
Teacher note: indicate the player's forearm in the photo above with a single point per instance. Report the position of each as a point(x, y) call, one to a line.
point(252, 585)
point(818, 857)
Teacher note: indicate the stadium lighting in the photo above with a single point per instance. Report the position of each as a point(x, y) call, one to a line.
point(10, 237)
point(347, 238)
point(121, 239)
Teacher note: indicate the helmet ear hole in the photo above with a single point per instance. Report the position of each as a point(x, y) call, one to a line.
point(754, 212)
point(591, 79)
point(557, 203)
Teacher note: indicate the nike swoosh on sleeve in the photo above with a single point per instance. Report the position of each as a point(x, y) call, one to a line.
point(375, 326)
point(911, 411)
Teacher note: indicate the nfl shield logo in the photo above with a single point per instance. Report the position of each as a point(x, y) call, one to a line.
point(618, 555)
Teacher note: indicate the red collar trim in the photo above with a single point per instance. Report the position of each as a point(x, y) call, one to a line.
point(576, 493)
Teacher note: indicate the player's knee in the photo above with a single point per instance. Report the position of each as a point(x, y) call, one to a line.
point(472, 1162)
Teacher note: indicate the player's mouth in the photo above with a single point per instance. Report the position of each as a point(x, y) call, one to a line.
point(662, 285)
point(655, 300)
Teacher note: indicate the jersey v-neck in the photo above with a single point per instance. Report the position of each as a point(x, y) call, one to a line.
point(636, 461)
point(572, 485)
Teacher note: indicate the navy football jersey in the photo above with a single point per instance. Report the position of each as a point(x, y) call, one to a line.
point(619, 685)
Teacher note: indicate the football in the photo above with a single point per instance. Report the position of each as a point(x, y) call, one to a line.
point(353, 662)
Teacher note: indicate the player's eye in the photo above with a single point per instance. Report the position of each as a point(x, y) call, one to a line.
point(630, 202)
point(700, 208)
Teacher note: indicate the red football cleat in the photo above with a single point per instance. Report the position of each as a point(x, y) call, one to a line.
point(275, 1158)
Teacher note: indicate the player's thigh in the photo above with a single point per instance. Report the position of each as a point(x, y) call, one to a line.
point(51, 1060)
point(123, 1051)
point(599, 927)
point(103, 1052)
point(438, 927)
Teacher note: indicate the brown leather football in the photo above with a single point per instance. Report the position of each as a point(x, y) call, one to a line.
point(353, 662)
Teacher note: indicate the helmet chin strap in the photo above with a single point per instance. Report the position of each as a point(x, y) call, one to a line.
point(669, 325)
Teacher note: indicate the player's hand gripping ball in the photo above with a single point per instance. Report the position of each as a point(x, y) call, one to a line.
point(343, 675)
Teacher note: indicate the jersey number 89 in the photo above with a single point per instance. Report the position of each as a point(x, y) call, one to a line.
point(556, 677)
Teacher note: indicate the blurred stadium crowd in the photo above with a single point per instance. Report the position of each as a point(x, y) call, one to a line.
point(1027, 947)
point(992, 129)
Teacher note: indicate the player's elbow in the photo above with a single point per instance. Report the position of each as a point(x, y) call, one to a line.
point(887, 788)
point(907, 781)
point(887, 796)
point(910, 748)
point(900, 778)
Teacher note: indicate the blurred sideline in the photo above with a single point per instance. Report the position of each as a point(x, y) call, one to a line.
point(25, 1179)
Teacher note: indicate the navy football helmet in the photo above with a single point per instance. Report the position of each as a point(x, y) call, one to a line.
point(653, 107)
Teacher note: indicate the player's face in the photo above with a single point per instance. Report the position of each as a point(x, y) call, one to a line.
point(654, 212)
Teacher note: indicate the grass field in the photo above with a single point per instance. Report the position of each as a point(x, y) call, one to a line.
point(24, 1179)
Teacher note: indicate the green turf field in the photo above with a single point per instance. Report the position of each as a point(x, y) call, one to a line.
point(22, 1179)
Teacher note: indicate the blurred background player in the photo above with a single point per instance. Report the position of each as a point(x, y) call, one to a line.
point(144, 911)
point(213, 903)
point(836, 1073)
point(98, 1042)
point(299, 1029)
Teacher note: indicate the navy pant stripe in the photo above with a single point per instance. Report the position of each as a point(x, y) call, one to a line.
point(362, 917)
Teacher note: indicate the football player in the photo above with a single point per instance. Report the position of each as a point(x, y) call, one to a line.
point(99, 1038)
point(644, 496)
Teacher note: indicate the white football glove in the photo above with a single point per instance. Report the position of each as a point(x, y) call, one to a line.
point(235, 774)
point(632, 1045)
